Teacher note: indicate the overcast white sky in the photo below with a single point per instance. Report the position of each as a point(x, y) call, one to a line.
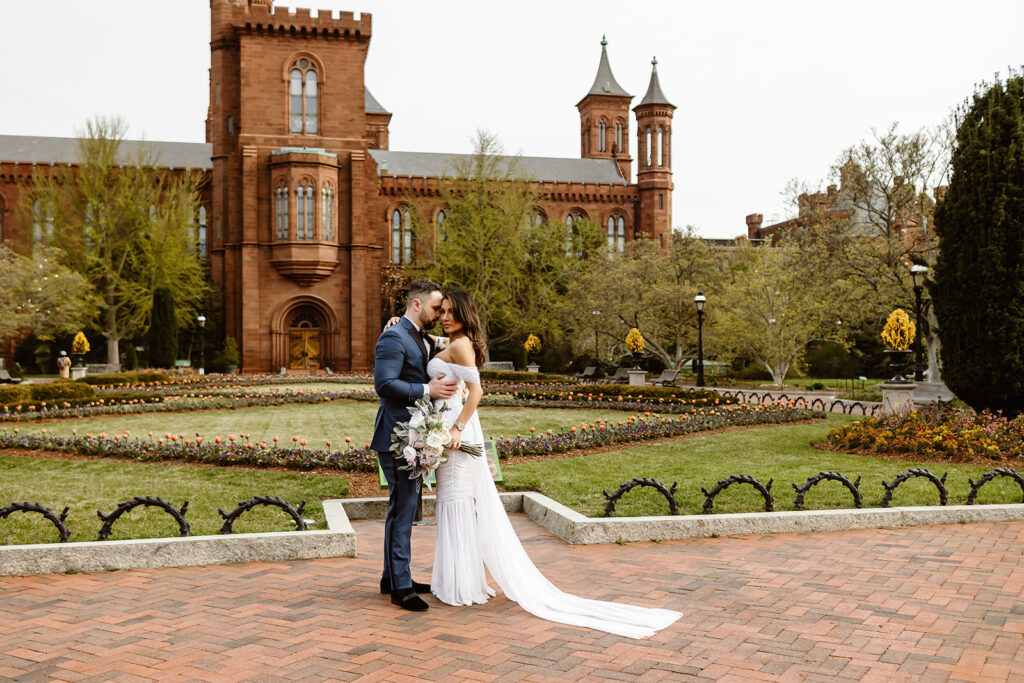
point(765, 91)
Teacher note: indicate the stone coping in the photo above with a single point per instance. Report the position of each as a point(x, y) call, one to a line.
point(338, 540)
point(577, 529)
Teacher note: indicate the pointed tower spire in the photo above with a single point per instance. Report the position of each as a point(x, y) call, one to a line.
point(654, 94)
point(604, 118)
point(604, 82)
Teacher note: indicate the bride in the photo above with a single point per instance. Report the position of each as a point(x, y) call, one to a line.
point(473, 530)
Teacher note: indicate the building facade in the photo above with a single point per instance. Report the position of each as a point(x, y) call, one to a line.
point(306, 212)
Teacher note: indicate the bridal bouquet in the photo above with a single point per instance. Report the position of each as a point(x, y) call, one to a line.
point(422, 440)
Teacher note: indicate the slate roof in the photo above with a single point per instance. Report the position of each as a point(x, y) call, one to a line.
point(28, 149)
point(436, 165)
point(604, 82)
point(372, 105)
point(654, 94)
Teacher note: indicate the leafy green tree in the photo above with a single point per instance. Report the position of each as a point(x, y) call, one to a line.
point(774, 303)
point(125, 224)
point(642, 288)
point(41, 294)
point(163, 330)
point(494, 245)
point(978, 283)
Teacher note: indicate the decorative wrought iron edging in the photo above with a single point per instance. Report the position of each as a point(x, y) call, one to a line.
point(246, 505)
point(145, 501)
point(940, 484)
point(669, 493)
point(765, 490)
point(854, 487)
point(58, 520)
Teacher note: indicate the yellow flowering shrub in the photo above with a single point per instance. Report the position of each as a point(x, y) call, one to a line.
point(80, 344)
point(898, 333)
point(532, 344)
point(635, 341)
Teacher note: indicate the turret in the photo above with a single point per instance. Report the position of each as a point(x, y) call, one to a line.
point(604, 118)
point(654, 162)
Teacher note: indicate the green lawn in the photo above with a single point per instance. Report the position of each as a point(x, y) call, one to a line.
point(100, 485)
point(783, 453)
point(316, 423)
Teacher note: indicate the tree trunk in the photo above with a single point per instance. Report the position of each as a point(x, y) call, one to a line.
point(934, 345)
point(113, 355)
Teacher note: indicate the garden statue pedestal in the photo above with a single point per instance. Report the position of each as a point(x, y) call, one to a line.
point(77, 371)
point(897, 397)
point(637, 378)
point(533, 367)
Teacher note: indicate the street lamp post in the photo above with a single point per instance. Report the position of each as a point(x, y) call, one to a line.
point(700, 300)
point(202, 344)
point(595, 313)
point(917, 274)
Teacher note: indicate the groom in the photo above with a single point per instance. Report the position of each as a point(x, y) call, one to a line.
point(400, 378)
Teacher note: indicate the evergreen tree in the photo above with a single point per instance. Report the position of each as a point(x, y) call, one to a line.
point(978, 287)
point(163, 330)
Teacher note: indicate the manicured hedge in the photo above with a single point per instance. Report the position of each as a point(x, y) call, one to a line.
point(522, 377)
point(122, 378)
point(625, 390)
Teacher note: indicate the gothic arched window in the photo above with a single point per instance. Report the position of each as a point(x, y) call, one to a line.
point(442, 216)
point(302, 97)
point(618, 137)
point(661, 146)
point(401, 237)
point(42, 222)
point(647, 145)
point(573, 245)
point(602, 136)
point(327, 213)
point(615, 233)
point(281, 212)
point(305, 227)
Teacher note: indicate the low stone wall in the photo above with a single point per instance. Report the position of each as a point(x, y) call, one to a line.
point(338, 540)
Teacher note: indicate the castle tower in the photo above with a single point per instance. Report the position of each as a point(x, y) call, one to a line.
point(604, 118)
point(289, 129)
point(654, 162)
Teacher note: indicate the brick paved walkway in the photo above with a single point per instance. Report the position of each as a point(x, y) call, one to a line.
point(928, 603)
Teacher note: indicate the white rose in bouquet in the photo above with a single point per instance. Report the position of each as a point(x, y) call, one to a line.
point(435, 442)
point(417, 420)
point(409, 453)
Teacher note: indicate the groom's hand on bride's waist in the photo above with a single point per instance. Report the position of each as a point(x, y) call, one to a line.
point(440, 388)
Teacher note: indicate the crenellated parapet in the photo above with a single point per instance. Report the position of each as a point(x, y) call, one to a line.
point(245, 15)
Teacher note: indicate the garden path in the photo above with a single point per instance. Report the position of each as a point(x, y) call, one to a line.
point(927, 603)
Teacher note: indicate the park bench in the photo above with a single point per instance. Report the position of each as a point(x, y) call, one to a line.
point(6, 377)
point(589, 374)
point(621, 375)
point(666, 378)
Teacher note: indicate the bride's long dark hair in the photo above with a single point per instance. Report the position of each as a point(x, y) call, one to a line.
point(464, 311)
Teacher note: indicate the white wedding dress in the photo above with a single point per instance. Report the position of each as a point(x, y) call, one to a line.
point(473, 531)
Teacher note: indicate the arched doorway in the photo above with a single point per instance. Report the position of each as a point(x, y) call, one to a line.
point(304, 339)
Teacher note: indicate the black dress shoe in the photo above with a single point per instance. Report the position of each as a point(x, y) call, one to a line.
point(407, 599)
point(385, 586)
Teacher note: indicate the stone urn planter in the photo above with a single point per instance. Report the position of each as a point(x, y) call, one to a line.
point(897, 363)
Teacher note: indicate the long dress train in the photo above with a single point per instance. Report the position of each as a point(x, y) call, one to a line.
point(474, 531)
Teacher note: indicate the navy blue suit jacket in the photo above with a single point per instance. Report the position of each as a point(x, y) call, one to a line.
point(399, 376)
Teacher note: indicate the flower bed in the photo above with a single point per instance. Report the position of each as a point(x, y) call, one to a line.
point(940, 431)
point(241, 450)
point(649, 426)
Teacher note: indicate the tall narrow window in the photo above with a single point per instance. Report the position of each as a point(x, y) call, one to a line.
point(602, 135)
point(647, 145)
point(620, 234)
point(661, 201)
point(573, 243)
point(303, 97)
point(281, 212)
point(661, 146)
point(401, 237)
point(305, 226)
point(610, 235)
point(618, 136)
point(327, 212)
point(202, 231)
point(442, 216)
point(42, 222)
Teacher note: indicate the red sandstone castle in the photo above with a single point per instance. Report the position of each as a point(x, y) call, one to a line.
point(306, 208)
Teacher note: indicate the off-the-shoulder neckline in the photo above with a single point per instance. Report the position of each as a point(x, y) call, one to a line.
point(458, 365)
